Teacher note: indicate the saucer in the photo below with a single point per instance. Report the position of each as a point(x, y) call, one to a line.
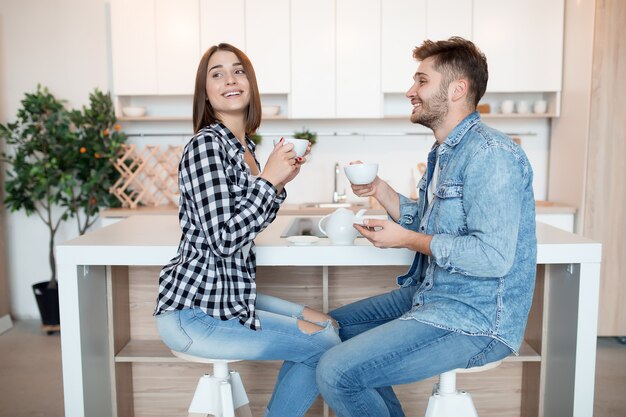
point(303, 240)
point(359, 220)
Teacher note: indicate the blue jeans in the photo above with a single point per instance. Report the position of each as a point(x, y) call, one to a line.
point(194, 332)
point(381, 350)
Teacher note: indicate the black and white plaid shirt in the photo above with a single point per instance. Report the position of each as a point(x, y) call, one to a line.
point(223, 207)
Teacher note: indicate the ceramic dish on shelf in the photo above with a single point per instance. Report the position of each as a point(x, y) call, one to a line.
point(134, 111)
point(270, 110)
point(302, 240)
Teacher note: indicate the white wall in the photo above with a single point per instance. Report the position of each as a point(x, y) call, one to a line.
point(60, 44)
point(63, 44)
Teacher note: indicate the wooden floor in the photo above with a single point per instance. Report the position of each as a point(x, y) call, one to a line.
point(31, 385)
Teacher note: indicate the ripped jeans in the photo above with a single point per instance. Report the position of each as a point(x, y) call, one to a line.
point(194, 332)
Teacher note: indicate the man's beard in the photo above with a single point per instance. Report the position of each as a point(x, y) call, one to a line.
point(433, 111)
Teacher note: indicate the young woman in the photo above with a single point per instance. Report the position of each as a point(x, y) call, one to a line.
point(207, 304)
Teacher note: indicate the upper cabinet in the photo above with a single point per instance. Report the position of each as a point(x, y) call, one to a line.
point(133, 47)
point(523, 41)
point(325, 60)
point(358, 59)
point(222, 24)
point(312, 59)
point(177, 46)
point(406, 24)
point(267, 44)
point(154, 46)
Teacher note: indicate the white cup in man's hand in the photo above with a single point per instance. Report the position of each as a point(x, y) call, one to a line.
point(360, 174)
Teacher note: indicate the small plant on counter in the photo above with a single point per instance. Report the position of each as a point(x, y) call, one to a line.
point(256, 138)
point(306, 134)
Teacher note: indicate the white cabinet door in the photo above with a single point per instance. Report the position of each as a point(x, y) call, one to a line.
point(133, 47)
point(403, 28)
point(312, 59)
point(222, 21)
point(523, 41)
point(267, 44)
point(446, 18)
point(177, 40)
point(358, 71)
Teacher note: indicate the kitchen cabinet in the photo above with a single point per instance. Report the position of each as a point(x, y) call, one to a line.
point(403, 27)
point(358, 91)
point(154, 46)
point(335, 59)
point(177, 42)
point(222, 24)
point(133, 47)
point(312, 60)
point(406, 24)
point(523, 41)
point(267, 44)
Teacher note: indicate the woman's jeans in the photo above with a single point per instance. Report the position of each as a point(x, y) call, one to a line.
point(194, 332)
point(381, 350)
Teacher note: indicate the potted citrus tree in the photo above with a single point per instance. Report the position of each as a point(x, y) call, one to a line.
point(58, 168)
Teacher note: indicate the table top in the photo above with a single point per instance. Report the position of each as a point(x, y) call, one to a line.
point(153, 240)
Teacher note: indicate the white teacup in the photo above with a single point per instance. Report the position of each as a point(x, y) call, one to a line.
point(540, 106)
point(506, 106)
point(360, 174)
point(299, 145)
point(523, 107)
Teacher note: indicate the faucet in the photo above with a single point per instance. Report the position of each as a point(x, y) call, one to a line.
point(338, 198)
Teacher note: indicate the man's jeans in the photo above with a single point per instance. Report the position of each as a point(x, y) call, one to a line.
point(192, 331)
point(381, 350)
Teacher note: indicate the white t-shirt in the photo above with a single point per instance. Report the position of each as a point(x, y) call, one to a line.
point(432, 186)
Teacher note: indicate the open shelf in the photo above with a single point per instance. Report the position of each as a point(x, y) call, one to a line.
point(154, 351)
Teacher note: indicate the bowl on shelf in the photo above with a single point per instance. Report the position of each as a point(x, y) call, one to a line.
point(270, 110)
point(133, 111)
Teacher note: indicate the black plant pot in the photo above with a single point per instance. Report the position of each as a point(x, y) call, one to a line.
point(48, 303)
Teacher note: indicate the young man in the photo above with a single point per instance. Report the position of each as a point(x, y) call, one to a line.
point(465, 300)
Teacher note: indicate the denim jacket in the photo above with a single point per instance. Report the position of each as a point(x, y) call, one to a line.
point(480, 277)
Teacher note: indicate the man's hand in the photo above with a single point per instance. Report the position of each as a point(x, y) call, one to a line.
point(388, 234)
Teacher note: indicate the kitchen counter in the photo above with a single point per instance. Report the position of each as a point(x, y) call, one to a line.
point(103, 345)
point(541, 207)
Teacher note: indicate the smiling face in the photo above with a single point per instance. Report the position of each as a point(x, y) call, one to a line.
point(227, 86)
point(429, 96)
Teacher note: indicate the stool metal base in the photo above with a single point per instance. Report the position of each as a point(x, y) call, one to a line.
point(458, 404)
point(219, 397)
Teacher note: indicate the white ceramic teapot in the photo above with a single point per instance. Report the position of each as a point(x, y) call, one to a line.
point(339, 226)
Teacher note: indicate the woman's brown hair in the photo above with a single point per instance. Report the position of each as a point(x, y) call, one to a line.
point(203, 113)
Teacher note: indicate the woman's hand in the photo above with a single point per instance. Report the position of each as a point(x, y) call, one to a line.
point(281, 164)
point(299, 162)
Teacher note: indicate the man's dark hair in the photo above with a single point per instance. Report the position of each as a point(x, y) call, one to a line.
point(457, 58)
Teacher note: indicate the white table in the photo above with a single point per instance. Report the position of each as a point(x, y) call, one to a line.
point(572, 264)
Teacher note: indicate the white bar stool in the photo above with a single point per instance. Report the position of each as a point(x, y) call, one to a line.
point(221, 394)
point(447, 401)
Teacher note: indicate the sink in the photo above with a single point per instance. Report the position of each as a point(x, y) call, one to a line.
point(333, 205)
point(304, 226)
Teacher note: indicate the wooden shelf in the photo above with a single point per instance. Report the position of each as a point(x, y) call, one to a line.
point(178, 118)
point(154, 351)
point(394, 117)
